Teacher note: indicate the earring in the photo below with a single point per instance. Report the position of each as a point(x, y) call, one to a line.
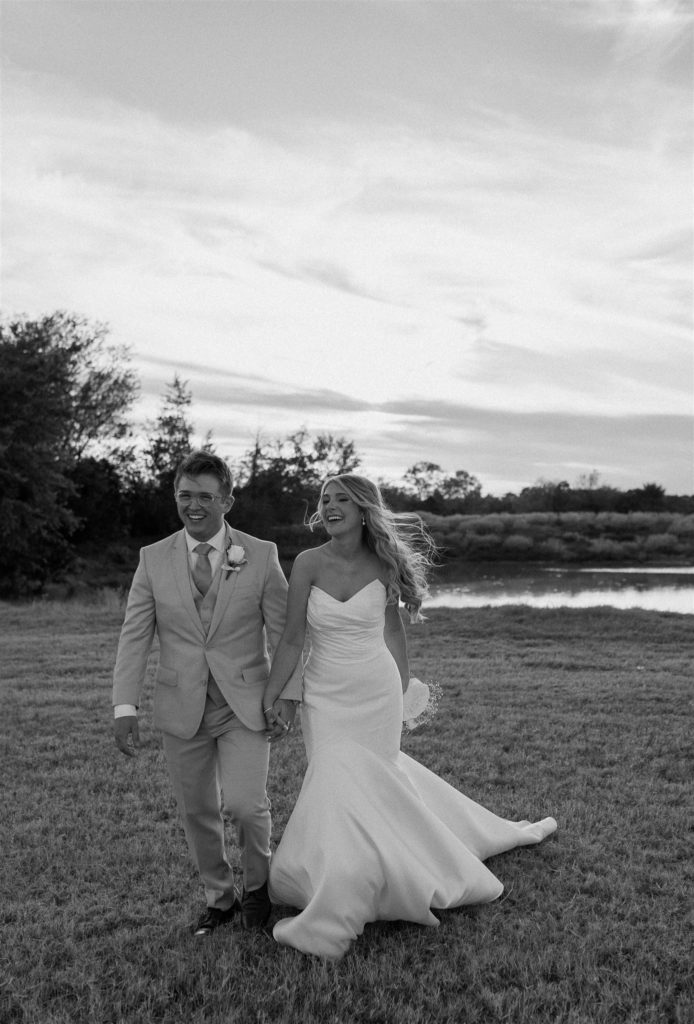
point(363, 520)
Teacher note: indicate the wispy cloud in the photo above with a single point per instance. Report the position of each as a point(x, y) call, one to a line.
point(485, 441)
point(642, 28)
point(212, 386)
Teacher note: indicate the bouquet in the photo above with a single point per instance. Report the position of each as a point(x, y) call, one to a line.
point(419, 703)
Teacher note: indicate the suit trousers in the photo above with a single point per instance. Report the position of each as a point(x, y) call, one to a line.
point(223, 767)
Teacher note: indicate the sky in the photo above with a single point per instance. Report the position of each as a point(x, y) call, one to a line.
point(453, 232)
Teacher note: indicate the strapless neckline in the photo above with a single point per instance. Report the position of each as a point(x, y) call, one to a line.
point(355, 594)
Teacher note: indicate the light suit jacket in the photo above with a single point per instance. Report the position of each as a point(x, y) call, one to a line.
point(250, 610)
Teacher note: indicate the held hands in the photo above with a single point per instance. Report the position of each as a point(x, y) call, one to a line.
point(123, 729)
point(279, 719)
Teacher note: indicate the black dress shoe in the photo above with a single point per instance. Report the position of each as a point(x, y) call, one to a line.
point(213, 918)
point(255, 907)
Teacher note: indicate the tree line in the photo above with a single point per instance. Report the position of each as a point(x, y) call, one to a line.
point(76, 472)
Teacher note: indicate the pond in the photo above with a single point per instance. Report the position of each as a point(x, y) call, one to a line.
point(664, 589)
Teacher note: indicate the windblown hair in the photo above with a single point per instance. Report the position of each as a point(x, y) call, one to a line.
point(400, 540)
point(201, 461)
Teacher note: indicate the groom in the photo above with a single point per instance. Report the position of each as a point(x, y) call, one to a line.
point(214, 596)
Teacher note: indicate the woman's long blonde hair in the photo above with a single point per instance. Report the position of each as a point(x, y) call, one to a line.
point(400, 540)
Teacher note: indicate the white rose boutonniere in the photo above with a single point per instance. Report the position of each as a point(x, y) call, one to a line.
point(234, 558)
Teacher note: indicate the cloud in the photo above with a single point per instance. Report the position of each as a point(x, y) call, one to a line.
point(509, 451)
point(333, 277)
point(654, 28)
point(211, 386)
point(505, 449)
point(487, 257)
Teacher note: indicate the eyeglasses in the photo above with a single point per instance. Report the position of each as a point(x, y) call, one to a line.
point(203, 498)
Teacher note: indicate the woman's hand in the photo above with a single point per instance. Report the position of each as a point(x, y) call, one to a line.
point(279, 719)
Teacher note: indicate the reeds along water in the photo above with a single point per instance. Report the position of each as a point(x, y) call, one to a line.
point(633, 538)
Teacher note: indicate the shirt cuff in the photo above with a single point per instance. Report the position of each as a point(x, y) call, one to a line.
point(123, 710)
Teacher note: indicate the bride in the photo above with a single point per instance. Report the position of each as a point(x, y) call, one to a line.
point(374, 835)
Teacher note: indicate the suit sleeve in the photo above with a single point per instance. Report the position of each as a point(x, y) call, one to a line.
point(135, 640)
point(274, 607)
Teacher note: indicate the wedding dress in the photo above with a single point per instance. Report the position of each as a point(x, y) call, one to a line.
point(374, 835)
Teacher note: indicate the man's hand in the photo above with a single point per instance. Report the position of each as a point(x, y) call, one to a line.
point(279, 719)
point(123, 729)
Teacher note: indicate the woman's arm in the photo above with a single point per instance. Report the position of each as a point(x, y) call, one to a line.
point(292, 640)
point(396, 642)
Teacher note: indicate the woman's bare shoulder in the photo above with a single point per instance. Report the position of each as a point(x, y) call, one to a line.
point(307, 561)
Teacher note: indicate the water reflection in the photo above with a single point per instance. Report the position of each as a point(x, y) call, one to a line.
point(654, 589)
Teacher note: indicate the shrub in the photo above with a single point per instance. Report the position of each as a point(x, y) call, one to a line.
point(682, 526)
point(489, 524)
point(636, 537)
point(603, 547)
point(538, 518)
point(571, 537)
point(453, 546)
point(517, 543)
point(661, 542)
point(483, 541)
point(554, 548)
point(649, 522)
point(573, 520)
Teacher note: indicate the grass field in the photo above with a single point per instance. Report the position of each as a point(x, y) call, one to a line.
point(582, 714)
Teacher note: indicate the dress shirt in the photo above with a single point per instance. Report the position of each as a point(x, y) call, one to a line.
point(217, 544)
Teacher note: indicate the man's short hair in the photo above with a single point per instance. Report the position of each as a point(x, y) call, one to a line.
point(199, 462)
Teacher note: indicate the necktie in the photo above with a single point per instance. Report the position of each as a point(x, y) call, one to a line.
point(202, 570)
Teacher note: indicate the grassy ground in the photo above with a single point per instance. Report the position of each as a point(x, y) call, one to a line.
point(580, 714)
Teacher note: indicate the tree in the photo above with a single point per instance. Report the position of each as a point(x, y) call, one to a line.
point(647, 498)
point(64, 391)
point(278, 482)
point(424, 479)
point(88, 381)
point(153, 511)
point(441, 493)
point(99, 498)
point(544, 496)
point(171, 433)
point(588, 481)
point(652, 497)
point(461, 486)
point(333, 456)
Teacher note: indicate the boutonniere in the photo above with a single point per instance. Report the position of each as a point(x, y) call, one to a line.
point(234, 558)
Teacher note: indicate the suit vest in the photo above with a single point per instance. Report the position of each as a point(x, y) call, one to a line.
point(205, 606)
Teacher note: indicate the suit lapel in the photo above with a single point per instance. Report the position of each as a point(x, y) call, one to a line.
point(227, 585)
point(181, 573)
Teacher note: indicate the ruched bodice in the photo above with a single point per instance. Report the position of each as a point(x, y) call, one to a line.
point(374, 835)
point(346, 630)
point(352, 687)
